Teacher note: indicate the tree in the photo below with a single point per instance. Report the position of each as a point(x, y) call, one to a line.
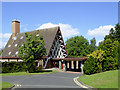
point(32, 50)
point(114, 34)
point(117, 32)
point(90, 66)
point(92, 45)
point(109, 62)
point(1, 51)
point(111, 35)
point(116, 51)
point(99, 56)
point(77, 46)
point(101, 45)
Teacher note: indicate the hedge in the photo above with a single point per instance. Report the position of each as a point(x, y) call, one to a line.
point(10, 67)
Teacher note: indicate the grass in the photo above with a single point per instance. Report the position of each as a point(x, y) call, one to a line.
point(107, 79)
point(25, 73)
point(4, 85)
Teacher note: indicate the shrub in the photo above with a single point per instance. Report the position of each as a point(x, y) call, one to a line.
point(91, 66)
point(10, 67)
point(38, 69)
point(110, 63)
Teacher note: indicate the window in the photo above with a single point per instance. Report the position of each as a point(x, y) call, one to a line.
point(16, 53)
point(15, 45)
point(9, 53)
point(21, 37)
point(9, 45)
point(37, 35)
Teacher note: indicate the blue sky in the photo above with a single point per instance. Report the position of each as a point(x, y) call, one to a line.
point(89, 19)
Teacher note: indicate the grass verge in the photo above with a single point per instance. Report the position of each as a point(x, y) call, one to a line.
point(5, 85)
point(25, 73)
point(107, 79)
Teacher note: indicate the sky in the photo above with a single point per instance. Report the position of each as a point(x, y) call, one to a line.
point(89, 19)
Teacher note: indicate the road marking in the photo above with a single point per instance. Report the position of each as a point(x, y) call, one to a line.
point(79, 84)
point(18, 85)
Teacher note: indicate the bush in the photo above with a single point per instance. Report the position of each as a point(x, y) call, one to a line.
point(10, 67)
point(91, 66)
point(38, 69)
point(35, 69)
point(110, 63)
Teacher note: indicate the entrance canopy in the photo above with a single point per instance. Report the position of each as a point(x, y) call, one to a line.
point(54, 59)
point(71, 58)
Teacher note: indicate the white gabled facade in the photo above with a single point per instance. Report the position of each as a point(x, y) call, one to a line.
point(58, 48)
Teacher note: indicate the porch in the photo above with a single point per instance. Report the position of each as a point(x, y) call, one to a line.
point(69, 64)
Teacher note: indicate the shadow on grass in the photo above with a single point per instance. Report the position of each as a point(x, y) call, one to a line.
point(42, 71)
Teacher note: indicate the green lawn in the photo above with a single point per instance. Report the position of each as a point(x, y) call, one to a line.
point(5, 85)
point(107, 79)
point(24, 73)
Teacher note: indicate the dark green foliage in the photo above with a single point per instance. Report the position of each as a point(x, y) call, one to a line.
point(116, 52)
point(38, 69)
point(110, 60)
point(114, 34)
point(111, 35)
point(119, 56)
point(1, 51)
point(90, 66)
point(77, 46)
point(110, 63)
point(32, 50)
point(93, 45)
point(10, 67)
point(101, 45)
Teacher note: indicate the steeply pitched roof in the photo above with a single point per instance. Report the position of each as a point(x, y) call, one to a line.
point(11, 48)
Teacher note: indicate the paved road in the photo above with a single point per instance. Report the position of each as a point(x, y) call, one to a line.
point(51, 80)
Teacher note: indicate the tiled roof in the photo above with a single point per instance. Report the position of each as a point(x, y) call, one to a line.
point(11, 48)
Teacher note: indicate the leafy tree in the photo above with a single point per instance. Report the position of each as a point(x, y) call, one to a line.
point(99, 56)
point(93, 45)
point(114, 34)
point(117, 32)
point(116, 51)
point(101, 45)
point(77, 46)
point(109, 62)
point(1, 51)
point(111, 35)
point(90, 66)
point(32, 50)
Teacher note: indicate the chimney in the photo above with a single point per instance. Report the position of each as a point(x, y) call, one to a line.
point(15, 27)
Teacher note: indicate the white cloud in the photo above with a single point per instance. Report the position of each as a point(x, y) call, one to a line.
point(25, 29)
point(4, 38)
point(2, 44)
point(66, 29)
point(5, 35)
point(100, 31)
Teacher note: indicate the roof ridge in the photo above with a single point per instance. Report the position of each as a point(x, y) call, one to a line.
point(48, 28)
point(40, 29)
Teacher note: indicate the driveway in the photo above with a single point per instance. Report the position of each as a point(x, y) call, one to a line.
point(51, 80)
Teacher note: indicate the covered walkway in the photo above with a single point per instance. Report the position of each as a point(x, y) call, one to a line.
point(70, 64)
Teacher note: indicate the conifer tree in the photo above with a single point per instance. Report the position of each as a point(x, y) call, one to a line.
point(32, 50)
